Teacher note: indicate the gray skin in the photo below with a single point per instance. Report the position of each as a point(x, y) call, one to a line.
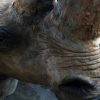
point(62, 51)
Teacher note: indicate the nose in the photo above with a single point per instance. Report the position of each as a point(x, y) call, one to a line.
point(77, 86)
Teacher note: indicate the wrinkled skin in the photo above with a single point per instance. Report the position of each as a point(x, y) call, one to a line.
point(62, 51)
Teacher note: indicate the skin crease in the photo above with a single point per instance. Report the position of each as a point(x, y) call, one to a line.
point(65, 45)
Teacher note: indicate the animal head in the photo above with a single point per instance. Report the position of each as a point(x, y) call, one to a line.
point(61, 51)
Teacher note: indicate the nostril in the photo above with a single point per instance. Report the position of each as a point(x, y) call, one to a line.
point(77, 86)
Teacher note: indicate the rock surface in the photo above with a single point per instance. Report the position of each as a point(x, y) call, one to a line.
point(27, 91)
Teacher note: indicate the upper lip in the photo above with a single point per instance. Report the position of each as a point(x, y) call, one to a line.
point(77, 86)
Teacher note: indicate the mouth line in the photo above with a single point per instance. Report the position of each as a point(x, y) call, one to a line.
point(77, 86)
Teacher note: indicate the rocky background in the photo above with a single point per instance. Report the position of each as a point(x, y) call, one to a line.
point(27, 91)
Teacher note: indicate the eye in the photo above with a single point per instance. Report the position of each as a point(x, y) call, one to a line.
point(8, 39)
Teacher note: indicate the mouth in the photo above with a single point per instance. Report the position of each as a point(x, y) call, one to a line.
point(77, 87)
